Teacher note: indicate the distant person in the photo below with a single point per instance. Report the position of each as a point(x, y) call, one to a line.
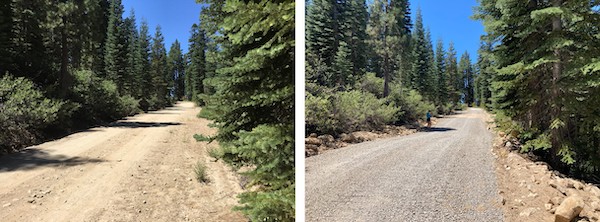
point(428, 119)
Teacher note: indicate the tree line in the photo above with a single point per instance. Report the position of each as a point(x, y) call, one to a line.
point(540, 72)
point(87, 64)
point(377, 55)
point(72, 64)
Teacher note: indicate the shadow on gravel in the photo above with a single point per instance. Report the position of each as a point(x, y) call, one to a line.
point(437, 129)
point(33, 157)
point(141, 124)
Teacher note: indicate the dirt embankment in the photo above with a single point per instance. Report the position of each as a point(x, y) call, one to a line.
point(532, 191)
point(138, 169)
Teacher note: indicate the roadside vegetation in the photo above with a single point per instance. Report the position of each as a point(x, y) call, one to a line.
point(74, 64)
point(247, 55)
point(540, 74)
point(368, 67)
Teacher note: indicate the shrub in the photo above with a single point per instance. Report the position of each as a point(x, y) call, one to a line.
point(200, 170)
point(215, 152)
point(371, 83)
point(24, 112)
point(129, 105)
point(411, 104)
point(347, 112)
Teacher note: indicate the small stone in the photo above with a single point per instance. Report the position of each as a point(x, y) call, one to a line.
point(578, 185)
point(139, 211)
point(555, 200)
point(144, 192)
point(31, 200)
point(508, 144)
point(532, 195)
point(595, 206)
point(548, 206)
point(527, 212)
point(595, 190)
point(144, 202)
point(190, 179)
point(569, 209)
point(6, 205)
point(175, 179)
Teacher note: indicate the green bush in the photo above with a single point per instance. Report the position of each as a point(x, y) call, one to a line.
point(99, 99)
point(24, 112)
point(371, 83)
point(412, 106)
point(347, 112)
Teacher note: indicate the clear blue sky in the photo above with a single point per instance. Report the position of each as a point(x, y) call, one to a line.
point(175, 17)
point(450, 20)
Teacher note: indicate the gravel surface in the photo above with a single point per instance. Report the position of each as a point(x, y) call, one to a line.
point(443, 175)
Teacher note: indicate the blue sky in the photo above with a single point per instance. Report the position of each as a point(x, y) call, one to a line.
point(450, 20)
point(175, 17)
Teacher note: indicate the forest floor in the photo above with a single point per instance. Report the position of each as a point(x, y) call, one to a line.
point(137, 169)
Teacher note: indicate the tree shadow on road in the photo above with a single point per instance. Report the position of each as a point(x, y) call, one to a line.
point(436, 129)
point(141, 124)
point(32, 158)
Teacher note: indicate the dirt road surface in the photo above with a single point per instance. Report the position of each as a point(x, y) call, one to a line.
point(138, 169)
point(445, 174)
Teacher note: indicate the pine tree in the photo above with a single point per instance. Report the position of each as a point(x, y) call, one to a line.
point(386, 38)
point(145, 77)
point(196, 69)
point(115, 58)
point(454, 79)
point(254, 103)
point(441, 74)
point(321, 41)
point(176, 69)
point(132, 72)
point(544, 64)
point(421, 78)
point(158, 72)
point(465, 69)
point(485, 74)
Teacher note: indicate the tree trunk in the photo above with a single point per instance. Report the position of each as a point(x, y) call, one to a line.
point(556, 136)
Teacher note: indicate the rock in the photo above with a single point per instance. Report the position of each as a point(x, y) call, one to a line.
point(362, 136)
point(555, 201)
point(534, 195)
point(569, 209)
point(527, 212)
point(6, 205)
point(313, 135)
point(548, 206)
point(31, 200)
point(508, 144)
point(326, 138)
point(594, 190)
point(595, 206)
point(348, 138)
point(578, 185)
point(313, 141)
point(501, 134)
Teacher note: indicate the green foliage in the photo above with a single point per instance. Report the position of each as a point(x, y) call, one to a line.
point(270, 148)
point(24, 111)
point(215, 152)
point(200, 171)
point(253, 101)
point(413, 106)
point(99, 99)
point(372, 84)
point(349, 111)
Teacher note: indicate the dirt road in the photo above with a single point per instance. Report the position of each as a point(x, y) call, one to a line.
point(446, 174)
point(138, 169)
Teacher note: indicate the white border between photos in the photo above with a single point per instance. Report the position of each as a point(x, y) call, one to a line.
point(299, 109)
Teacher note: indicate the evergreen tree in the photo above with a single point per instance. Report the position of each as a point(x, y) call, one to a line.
point(143, 54)
point(115, 57)
point(454, 79)
point(254, 103)
point(196, 69)
point(321, 41)
point(158, 71)
point(441, 74)
point(421, 78)
point(467, 78)
point(176, 69)
point(132, 72)
point(485, 74)
point(545, 54)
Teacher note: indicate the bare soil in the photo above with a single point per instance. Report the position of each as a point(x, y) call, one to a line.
point(137, 169)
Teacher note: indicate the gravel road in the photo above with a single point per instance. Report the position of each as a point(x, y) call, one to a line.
point(446, 174)
point(138, 169)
